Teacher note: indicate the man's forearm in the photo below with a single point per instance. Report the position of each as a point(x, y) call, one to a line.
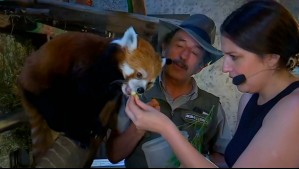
point(218, 159)
point(119, 146)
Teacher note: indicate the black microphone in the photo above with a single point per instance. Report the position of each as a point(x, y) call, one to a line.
point(237, 80)
point(168, 61)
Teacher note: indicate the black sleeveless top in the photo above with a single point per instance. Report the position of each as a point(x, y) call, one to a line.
point(250, 122)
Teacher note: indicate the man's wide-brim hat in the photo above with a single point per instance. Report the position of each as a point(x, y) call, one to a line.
point(200, 28)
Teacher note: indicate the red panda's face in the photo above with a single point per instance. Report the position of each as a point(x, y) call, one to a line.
point(140, 64)
point(137, 80)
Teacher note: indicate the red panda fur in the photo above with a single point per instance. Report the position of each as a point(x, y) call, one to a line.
point(65, 86)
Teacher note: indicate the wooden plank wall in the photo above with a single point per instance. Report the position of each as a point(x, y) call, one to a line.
point(101, 20)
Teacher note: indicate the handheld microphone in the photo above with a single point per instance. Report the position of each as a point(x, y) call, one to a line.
point(239, 79)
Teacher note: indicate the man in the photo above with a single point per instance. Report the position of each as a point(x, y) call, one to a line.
point(189, 47)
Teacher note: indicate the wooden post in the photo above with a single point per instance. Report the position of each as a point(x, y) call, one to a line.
point(85, 2)
point(139, 7)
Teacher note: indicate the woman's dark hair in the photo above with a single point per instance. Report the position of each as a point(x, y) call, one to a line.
point(263, 27)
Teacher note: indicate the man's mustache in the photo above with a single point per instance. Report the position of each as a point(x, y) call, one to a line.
point(179, 63)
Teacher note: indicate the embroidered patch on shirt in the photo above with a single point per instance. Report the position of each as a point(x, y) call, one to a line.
point(194, 117)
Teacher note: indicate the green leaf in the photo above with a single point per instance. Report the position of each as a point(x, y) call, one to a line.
point(197, 141)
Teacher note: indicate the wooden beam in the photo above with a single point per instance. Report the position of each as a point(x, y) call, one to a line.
point(139, 7)
point(85, 2)
point(101, 20)
point(12, 120)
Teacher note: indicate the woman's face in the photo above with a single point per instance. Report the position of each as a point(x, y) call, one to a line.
point(238, 61)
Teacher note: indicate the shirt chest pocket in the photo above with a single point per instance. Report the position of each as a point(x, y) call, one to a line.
point(190, 121)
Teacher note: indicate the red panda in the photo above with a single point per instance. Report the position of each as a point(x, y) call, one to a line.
point(72, 85)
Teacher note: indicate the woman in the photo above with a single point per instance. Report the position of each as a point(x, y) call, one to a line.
point(260, 41)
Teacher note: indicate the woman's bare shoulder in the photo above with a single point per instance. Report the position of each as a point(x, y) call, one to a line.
point(290, 104)
point(279, 134)
point(285, 113)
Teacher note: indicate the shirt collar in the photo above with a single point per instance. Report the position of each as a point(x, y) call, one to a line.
point(193, 94)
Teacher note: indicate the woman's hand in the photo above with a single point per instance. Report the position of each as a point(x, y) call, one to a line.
point(145, 116)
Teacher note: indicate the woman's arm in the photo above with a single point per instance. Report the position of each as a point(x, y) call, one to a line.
point(147, 118)
point(276, 143)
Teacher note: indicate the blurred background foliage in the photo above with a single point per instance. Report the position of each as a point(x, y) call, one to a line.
point(12, 55)
point(13, 51)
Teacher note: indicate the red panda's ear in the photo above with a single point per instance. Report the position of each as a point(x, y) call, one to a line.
point(129, 40)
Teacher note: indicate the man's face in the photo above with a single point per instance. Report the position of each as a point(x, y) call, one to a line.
point(187, 56)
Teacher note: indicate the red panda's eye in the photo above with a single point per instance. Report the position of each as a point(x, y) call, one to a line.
point(139, 75)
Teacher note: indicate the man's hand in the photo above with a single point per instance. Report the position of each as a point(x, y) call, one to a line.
point(155, 104)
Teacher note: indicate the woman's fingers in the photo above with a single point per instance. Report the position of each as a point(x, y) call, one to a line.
point(135, 108)
point(128, 109)
point(141, 104)
point(144, 116)
point(144, 107)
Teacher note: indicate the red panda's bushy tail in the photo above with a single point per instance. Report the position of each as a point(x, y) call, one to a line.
point(42, 136)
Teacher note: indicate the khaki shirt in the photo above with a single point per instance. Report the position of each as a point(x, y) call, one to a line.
point(183, 111)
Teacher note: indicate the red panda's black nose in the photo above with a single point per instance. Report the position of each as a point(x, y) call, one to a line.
point(140, 90)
